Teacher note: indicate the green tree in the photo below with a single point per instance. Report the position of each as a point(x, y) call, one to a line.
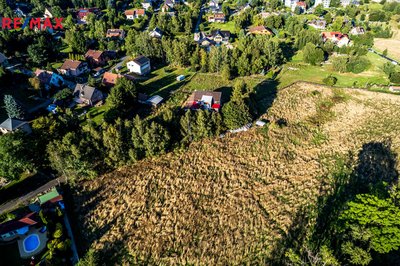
point(122, 95)
point(339, 63)
point(395, 77)
point(15, 156)
point(388, 68)
point(312, 54)
point(373, 223)
point(138, 131)
point(330, 80)
point(156, 139)
point(13, 109)
point(236, 114)
point(75, 156)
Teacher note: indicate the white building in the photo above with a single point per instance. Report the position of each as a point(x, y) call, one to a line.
point(140, 65)
point(291, 3)
point(325, 3)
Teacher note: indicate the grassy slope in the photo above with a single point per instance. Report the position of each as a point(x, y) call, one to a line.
point(231, 200)
point(304, 72)
point(391, 44)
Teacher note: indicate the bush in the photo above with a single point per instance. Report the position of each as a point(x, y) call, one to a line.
point(312, 54)
point(395, 77)
point(330, 80)
point(358, 64)
point(236, 114)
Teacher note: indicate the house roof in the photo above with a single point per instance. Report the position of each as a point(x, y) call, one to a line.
point(155, 100)
point(83, 12)
point(219, 16)
point(319, 22)
point(223, 33)
point(141, 60)
point(12, 124)
point(114, 33)
point(333, 34)
point(85, 91)
point(137, 12)
point(48, 196)
point(95, 54)
point(302, 4)
point(2, 58)
point(156, 31)
point(27, 220)
point(260, 29)
point(357, 30)
point(43, 75)
point(71, 64)
point(197, 96)
point(110, 78)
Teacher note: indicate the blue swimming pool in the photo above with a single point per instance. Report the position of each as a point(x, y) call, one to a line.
point(31, 243)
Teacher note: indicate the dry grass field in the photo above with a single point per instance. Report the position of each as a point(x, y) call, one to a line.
point(392, 44)
point(233, 200)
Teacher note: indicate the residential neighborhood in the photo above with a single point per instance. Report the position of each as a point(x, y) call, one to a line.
point(169, 132)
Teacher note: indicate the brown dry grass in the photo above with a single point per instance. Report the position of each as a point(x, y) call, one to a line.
point(392, 44)
point(228, 201)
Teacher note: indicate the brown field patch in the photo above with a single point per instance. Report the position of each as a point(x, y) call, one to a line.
point(230, 201)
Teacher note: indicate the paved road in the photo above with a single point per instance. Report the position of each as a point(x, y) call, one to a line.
point(121, 62)
point(384, 56)
point(202, 8)
point(9, 206)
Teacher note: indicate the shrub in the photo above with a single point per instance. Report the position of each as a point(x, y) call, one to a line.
point(395, 77)
point(312, 54)
point(330, 80)
point(358, 64)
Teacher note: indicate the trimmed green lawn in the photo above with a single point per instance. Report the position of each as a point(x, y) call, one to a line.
point(230, 25)
point(298, 71)
point(163, 81)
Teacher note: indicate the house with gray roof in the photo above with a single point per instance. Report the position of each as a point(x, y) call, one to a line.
point(12, 125)
point(140, 65)
point(86, 94)
point(3, 59)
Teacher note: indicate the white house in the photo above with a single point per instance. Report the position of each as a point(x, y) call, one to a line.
point(325, 3)
point(73, 68)
point(12, 125)
point(146, 4)
point(48, 13)
point(291, 3)
point(134, 13)
point(156, 33)
point(48, 78)
point(140, 65)
point(357, 31)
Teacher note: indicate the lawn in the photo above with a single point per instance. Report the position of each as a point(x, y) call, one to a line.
point(230, 25)
point(21, 92)
point(163, 81)
point(392, 44)
point(95, 113)
point(298, 71)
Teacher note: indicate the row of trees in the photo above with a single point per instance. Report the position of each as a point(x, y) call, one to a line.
point(78, 152)
point(358, 222)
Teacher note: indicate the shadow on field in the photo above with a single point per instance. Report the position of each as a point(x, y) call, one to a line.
point(376, 163)
point(264, 96)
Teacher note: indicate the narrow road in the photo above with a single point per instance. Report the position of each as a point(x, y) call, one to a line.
point(121, 62)
point(9, 206)
point(384, 56)
point(202, 8)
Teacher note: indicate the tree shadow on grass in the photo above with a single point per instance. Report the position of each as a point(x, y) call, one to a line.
point(264, 96)
point(376, 164)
